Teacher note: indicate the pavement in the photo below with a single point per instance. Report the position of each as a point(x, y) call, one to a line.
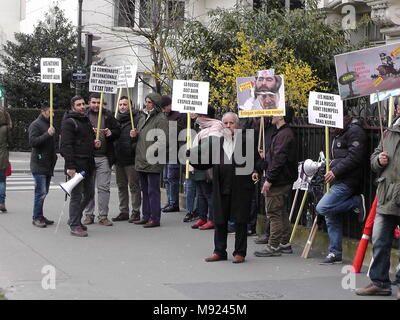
point(128, 262)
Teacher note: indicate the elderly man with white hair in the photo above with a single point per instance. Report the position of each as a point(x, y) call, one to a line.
point(232, 159)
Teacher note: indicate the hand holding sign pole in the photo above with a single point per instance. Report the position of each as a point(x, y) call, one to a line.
point(103, 80)
point(50, 72)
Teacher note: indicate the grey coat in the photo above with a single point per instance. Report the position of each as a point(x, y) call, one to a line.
point(388, 190)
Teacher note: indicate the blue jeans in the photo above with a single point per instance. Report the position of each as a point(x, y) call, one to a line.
point(205, 206)
point(339, 199)
point(42, 184)
point(3, 186)
point(382, 237)
point(190, 194)
point(171, 180)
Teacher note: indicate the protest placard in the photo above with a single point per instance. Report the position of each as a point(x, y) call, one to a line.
point(103, 79)
point(190, 96)
point(263, 95)
point(363, 72)
point(325, 109)
point(127, 76)
point(50, 70)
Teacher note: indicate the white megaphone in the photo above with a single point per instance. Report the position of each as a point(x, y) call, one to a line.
point(310, 167)
point(71, 184)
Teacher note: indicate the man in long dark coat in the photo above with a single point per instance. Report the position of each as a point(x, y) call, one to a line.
point(232, 184)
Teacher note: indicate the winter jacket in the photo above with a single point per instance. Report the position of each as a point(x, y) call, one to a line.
point(179, 120)
point(152, 141)
point(388, 191)
point(348, 152)
point(43, 155)
point(125, 146)
point(4, 138)
point(111, 123)
point(280, 162)
point(77, 142)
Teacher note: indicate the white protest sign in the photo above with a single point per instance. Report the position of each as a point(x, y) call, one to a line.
point(50, 70)
point(127, 76)
point(190, 96)
point(103, 79)
point(325, 109)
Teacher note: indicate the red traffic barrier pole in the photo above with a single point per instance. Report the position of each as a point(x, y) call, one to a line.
point(362, 246)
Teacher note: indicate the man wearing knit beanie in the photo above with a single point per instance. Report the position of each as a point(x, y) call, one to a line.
point(149, 171)
point(155, 97)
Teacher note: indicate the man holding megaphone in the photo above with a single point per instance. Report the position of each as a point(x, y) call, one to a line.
point(77, 147)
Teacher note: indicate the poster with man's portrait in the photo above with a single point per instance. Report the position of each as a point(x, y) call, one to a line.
point(263, 95)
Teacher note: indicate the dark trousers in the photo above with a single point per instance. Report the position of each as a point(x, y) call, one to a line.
point(80, 197)
point(151, 200)
point(221, 232)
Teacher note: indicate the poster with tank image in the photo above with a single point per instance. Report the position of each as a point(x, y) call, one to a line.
point(363, 72)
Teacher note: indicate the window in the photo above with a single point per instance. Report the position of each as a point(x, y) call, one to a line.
point(125, 13)
point(176, 11)
point(147, 11)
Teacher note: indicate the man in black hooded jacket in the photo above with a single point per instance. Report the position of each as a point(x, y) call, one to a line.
point(77, 147)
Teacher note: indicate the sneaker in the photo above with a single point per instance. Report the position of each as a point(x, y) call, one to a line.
point(3, 207)
point(39, 222)
point(360, 210)
point(207, 226)
point(285, 248)
point(47, 221)
point(261, 240)
point(188, 217)
point(269, 251)
point(373, 290)
point(198, 224)
point(88, 220)
point(78, 232)
point(105, 222)
point(331, 259)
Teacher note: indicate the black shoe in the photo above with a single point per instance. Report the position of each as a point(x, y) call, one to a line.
point(166, 206)
point(47, 221)
point(39, 222)
point(171, 209)
point(188, 217)
point(331, 259)
point(360, 210)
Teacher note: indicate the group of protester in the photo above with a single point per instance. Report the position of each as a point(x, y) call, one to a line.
point(226, 167)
